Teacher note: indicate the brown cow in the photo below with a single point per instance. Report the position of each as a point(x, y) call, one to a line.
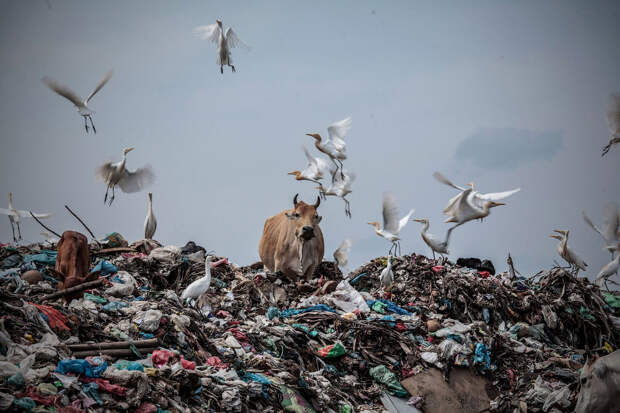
point(72, 263)
point(292, 241)
point(600, 385)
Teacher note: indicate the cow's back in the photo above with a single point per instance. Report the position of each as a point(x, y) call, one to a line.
point(73, 256)
point(268, 245)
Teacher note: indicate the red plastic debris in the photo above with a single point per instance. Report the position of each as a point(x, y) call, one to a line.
point(105, 385)
point(161, 357)
point(217, 363)
point(220, 262)
point(146, 407)
point(188, 365)
point(55, 317)
point(401, 327)
point(438, 268)
point(484, 274)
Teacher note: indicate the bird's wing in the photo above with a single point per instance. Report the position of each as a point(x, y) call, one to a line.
point(496, 196)
point(452, 203)
point(134, 181)
point(337, 131)
point(4, 211)
point(591, 224)
point(100, 85)
point(611, 221)
point(403, 221)
point(613, 113)
point(390, 213)
point(438, 176)
point(104, 171)
point(342, 253)
point(464, 210)
point(232, 40)
point(63, 91)
point(210, 32)
point(26, 214)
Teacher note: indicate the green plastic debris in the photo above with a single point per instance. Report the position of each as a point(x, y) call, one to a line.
point(95, 298)
point(345, 408)
point(383, 375)
point(585, 313)
point(333, 350)
point(306, 329)
point(17, 380)
point(292, 401)
point(379, 307)
point(612, 300)
point(25, 403)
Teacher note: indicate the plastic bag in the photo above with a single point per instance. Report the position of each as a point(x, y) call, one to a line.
point(383, 375)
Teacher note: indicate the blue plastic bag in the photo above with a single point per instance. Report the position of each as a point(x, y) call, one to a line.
point(80, 366)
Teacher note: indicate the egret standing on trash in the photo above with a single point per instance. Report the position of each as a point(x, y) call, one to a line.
point(436, 245)
point(387, 276)
point(130, 181)
point(80, 104)
point(225, 41)
point(609, 269)
point(199, 286)
point(150, 223)
point(391, 224)
point(15, 216)
point(567, 253)
point(341, 255)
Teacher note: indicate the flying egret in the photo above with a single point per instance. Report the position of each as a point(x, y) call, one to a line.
point(613, 122)
point(341, 255)
point(130, 181)
point(609, 229)
point(225, 41)
point(80, 104)
point(391, 224)
point(150, 223)
point(340, 187)
point(470, 204)
point(436, 245)
point(387, 276)
point(567, 253)
point(609, 269)
point(15, 217)
point(314, 171)
point(334, 146)
point(201, 285)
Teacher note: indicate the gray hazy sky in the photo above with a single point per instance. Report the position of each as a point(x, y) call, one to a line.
point(505, 94)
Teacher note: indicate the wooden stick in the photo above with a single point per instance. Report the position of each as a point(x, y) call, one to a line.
point(80, 287)
point(84, 225)
point(112, 345)
point(118, 352)
point(40, 223)
point(111, 250)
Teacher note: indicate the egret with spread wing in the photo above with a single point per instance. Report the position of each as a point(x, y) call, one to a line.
point(150, 223)
point(341, 255)
point(314, 171)
point(335, 147)
point(80, 104)
point(436, 245)
point(391, 224)
point(130, 181)
point(613, 122)
point(15, 216)
point(470, 204)
point(609, 229)
point(225, 41)
point(567, 253)
point(609, 269)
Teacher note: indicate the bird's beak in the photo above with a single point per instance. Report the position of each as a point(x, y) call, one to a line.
point(498, 203)
point(292, 173)
point(555, 236)
point(418, 220)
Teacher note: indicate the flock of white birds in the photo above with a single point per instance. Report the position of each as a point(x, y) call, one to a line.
point(468, 205)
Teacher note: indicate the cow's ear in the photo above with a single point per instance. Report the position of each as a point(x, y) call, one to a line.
point(319, 218)
point(600, 370)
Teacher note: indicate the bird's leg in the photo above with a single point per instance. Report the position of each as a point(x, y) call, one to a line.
point(347, 208)
point(233, 67)
point(113, 193)
point(85, 124)
point(19, 231)
point(341, 169)
point(433, 254)
point(221, 69)
point(335, 172)
point(105, 198)
point(92, 124)
point(13, 231)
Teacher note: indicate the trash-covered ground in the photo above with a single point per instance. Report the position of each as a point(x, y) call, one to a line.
point(259, 342)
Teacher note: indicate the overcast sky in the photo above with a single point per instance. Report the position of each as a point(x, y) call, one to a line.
point(505, 94)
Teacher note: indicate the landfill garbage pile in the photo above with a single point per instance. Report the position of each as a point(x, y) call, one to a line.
point(256, 341)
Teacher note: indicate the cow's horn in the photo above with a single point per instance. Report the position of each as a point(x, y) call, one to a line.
point(318, 202)
point(295, 199)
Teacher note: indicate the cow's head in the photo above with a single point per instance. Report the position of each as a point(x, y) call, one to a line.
point(305, 218)
point(593, 391)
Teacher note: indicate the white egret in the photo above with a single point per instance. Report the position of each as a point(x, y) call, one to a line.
point(567, 253)
point(150, 223)
point(340, 187)
point(314, 171)
point(201, 285)
point(225, 41)
point(387, 276)
point(613, 122)
point(15, 216)
point(80, 104)
point(470, 204)
point(334, 146)
point(436, 245)
point(130, 181)
point(391, 224)
point(609, 229)
point(341, 255)
point(609, 269)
